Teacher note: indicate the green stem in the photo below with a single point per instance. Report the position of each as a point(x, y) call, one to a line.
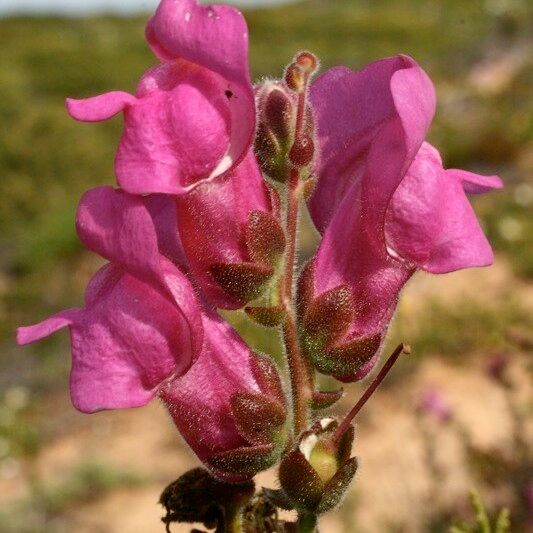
point(235, 522)
point(307, 523)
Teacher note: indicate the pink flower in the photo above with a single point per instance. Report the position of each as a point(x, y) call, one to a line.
point(222, 224)
point(141, 323)
point(192, 117)
point(385, 206)
point(144, 333)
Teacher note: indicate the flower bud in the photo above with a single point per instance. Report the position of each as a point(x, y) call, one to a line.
point(302, 151)
point(275, 129)
point(278, 113)
point(295, 78)
point(316, 474)
point(307, 61)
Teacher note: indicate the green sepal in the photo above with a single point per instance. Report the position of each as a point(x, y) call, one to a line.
point(300, 481)
point(245, 461)
point(344, 448)
point(345, 359)
point(337, 486)
point(325, 399)
point(269, 317)
point(329, 315)
point(257, 417)
point(244, 281)
point(265, 238)
point(266, 374)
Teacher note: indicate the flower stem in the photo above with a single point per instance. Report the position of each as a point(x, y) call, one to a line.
point(307, 523)
point(343, 426)
point(235, 523)
point(298, 367)
point(300, 373)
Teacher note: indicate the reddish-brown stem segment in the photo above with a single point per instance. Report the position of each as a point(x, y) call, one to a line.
point(298, 367)
point(299, 373)
point(343, 426)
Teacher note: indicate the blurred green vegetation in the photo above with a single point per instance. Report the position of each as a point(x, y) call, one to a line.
point(47, 160)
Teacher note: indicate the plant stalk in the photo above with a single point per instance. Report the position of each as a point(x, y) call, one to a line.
point(300, 373)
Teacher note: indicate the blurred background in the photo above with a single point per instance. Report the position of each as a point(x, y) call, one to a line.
point(456, 415)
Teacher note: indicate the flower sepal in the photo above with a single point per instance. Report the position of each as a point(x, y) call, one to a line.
point(325, 321)
point(261, 421)
point(316, 474)
point(325, 399)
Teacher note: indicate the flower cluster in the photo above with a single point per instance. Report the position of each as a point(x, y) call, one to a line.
point(211, 171)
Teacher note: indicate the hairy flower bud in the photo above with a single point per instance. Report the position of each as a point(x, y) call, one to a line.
point(275, 129)
point(316, 474)
point(307, 61)
point(295, 78)
point(278, 112)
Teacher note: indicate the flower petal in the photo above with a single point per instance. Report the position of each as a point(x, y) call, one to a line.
point(373, 120)
point(177, 133)
point(27, 334)
point(99, 107)
point(125, 343)
point(162, 209)
point(475, 183)
point(118, 226)
point(216, 38)
point(430, 223)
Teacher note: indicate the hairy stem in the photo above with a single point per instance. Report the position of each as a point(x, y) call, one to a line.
point(300, 373)
point(298, 368)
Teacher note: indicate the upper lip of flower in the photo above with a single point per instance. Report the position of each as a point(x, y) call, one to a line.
point(172, 143)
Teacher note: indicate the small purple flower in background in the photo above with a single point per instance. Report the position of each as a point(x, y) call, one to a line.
point(433, 403)
point(496, 366)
